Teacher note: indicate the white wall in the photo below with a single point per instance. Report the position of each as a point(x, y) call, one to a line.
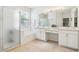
point(66, 13)
point(1, 27)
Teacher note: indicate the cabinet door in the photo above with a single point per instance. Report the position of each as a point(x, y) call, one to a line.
point(63, 38)
point(38, 34)
point(73, 39)
point(42, 34)
point(52, 17)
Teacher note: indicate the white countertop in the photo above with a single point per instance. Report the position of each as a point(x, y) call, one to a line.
point(61, 28)
point(69, 28)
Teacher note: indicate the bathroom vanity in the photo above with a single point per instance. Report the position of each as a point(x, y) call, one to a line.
point(67, 37)
point(66, 27)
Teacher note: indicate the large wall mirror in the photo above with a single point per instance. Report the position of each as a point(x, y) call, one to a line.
point(43, 20)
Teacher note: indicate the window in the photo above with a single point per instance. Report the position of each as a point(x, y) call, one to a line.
point(25, 20)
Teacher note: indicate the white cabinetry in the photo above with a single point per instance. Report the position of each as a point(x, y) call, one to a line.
point(63, 38)
point(73, 39)
point(69, 39)
point(38, 34)
point(59, 18)
point(52, 17)
point(43, 37)
point(41, 34)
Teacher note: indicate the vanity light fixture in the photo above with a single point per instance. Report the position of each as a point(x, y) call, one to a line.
point(53, 9)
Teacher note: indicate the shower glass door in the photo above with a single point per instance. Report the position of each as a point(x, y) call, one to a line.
point(10, 27)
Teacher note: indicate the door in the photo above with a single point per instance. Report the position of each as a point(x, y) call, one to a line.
point(10, 28)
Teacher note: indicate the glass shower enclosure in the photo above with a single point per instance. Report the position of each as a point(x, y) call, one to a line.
point(9, 28)
point(14, 26)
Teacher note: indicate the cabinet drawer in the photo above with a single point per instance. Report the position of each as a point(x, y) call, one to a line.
point(52, 31)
